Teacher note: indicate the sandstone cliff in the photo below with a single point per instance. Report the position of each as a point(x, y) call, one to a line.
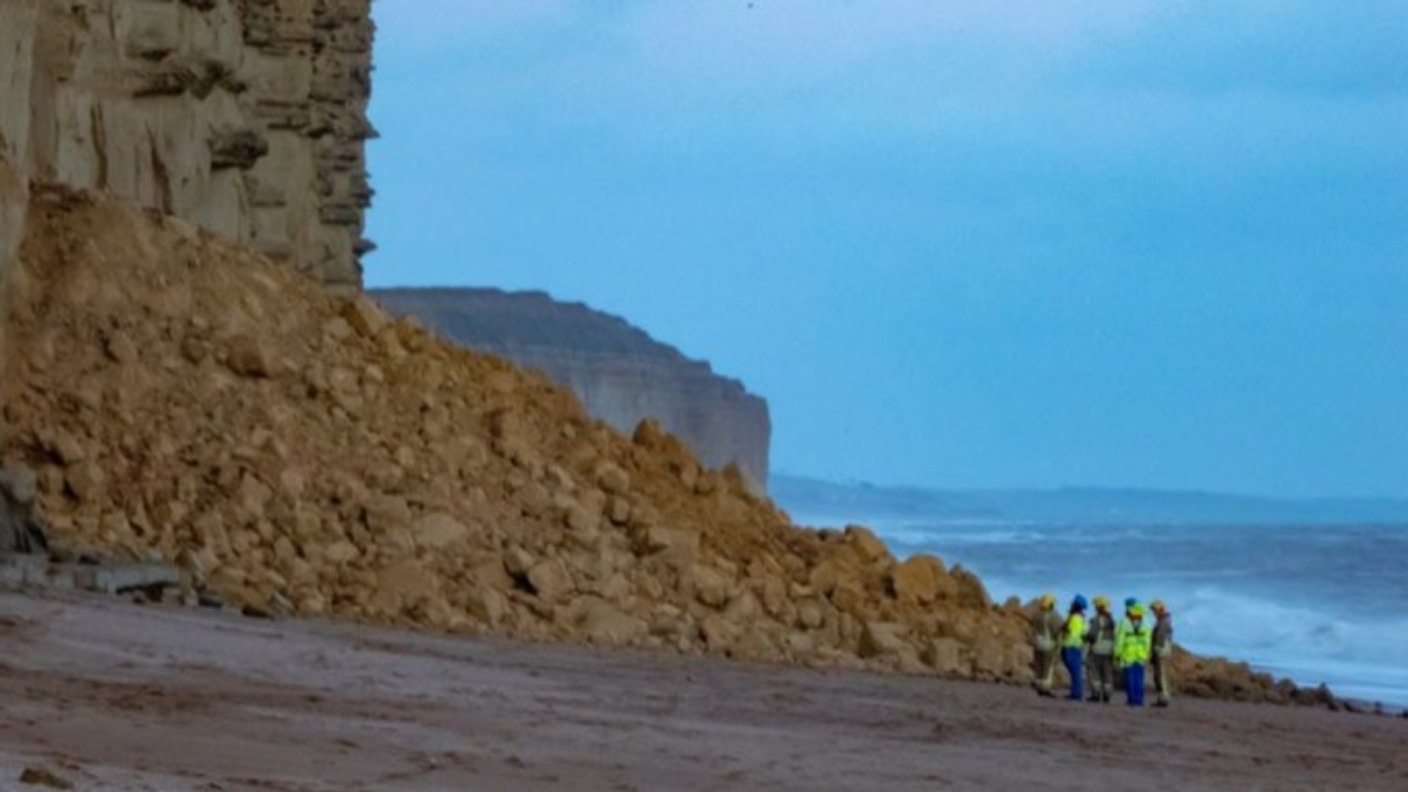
point(619, 372)
point(246, 117)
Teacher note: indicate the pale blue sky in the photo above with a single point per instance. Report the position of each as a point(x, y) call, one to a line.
point(1111, 242)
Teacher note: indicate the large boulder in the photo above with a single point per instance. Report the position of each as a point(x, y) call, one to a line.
point(878, 639)
point(945, 656)
point(866, 544)
point(606, 625)
point(551, 580)
point(917, 579)
point(439, 530)
point(403, 586)
point(970, 590)
point(711, 587)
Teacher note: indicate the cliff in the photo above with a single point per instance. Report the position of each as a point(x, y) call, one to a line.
point(620, 373)
point(245, 117)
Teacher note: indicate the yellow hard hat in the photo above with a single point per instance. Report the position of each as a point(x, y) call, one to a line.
point(1048, 601)
point(1157, 606)
point(1136, 611)
point(1102, 602)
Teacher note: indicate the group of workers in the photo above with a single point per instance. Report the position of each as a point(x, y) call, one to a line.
point(1130, 646)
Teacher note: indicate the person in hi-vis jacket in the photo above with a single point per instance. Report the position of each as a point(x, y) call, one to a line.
point(1162, 654)
point(1046, 629)
point(1132, 650)
point(1100, 641)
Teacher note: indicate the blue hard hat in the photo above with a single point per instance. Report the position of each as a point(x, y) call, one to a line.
point(1130, 602)
point(1080, 602)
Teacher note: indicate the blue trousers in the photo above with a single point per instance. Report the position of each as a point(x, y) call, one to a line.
point(1134, 684)
point(1075, 666)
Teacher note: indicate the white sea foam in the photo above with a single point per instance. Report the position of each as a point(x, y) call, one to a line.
point(1355, 653)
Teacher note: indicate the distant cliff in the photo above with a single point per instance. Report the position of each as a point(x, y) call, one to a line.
point(618, 371)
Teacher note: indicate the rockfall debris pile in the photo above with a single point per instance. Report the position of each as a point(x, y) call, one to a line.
point(182, 399)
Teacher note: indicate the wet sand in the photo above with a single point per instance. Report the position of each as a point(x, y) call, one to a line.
point(111, 696)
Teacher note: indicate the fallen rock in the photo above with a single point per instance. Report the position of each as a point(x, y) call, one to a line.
point(439, 530)
point(917, 579)
point(120, 348)
point(42, 776)
point(387, 513)
point(969, 589)
point(340, 552)
point(945, 656)
point(604, 624)
point(517, 562)
point(849, 597)
point(551, 580)
point(810, 614)
point(659, 539)
point(365, 316)
point(86, 481)
point(711, 587)
point(718, 633)
point(402, 586)
point(867, 545)
point(878, 639)
point(613, 479)
point(486, 605)
point(247, 357)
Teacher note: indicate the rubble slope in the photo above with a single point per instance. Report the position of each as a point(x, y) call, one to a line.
point(295, 452)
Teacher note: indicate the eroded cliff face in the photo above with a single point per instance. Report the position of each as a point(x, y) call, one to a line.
point(246, 117)
point(621, 375)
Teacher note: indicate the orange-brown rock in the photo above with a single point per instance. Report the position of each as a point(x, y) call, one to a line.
point(296, 452)
point(917, 579)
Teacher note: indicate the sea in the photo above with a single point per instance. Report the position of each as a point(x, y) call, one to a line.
point(1315, 602)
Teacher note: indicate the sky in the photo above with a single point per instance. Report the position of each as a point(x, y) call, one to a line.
point(953, 244)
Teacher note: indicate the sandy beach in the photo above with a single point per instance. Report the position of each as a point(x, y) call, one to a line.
point(107, 695)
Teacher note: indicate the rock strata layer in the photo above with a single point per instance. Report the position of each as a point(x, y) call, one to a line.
point(245, 117)
point(183, 400)
point(620, 373)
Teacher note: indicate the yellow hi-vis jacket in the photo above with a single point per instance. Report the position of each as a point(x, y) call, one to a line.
point(1075, 631)
point(1134, 644)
